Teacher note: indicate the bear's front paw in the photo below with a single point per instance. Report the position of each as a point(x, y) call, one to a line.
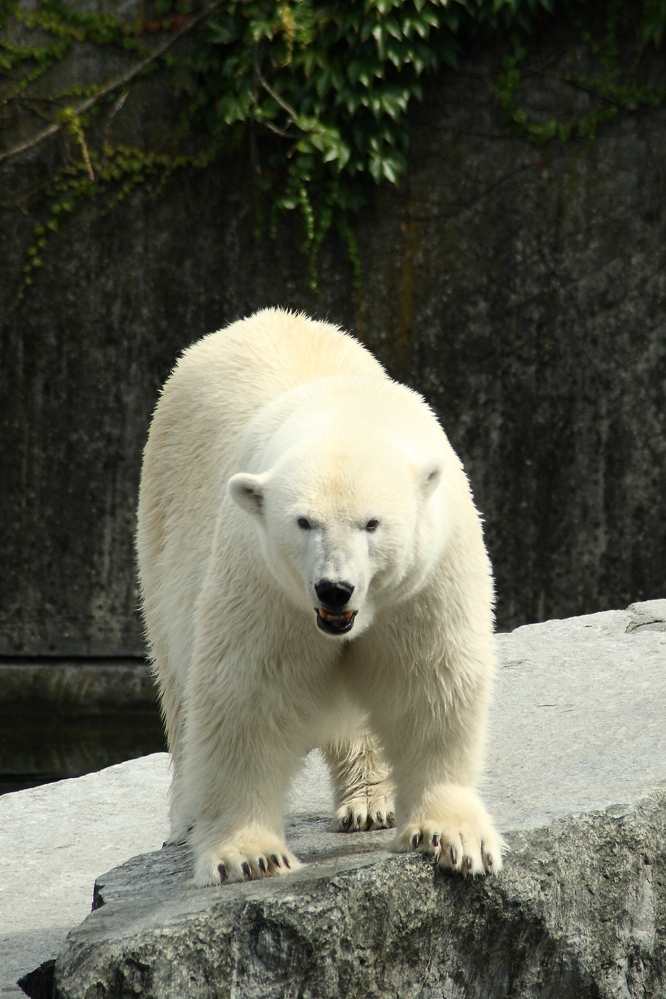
point(244, 859)
point(370, 808)
point(458, 831)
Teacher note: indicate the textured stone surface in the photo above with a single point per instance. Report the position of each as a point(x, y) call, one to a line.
point(579, 718)
point(522, 289)
point(579, 911)
point(576, 778)
point(55, 840)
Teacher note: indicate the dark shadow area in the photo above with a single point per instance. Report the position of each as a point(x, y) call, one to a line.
point(63, 718)
point(43, 749)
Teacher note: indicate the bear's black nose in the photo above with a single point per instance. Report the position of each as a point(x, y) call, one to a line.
point(333, 595)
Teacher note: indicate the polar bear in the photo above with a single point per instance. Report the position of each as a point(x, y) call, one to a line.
point(313, 573)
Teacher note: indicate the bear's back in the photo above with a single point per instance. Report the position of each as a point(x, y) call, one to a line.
point(251, 362)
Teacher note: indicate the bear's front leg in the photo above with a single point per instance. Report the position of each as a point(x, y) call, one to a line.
point(363, 789)
point(249, 853)
point(453, 825)
point(237, 763)
point(435, 750)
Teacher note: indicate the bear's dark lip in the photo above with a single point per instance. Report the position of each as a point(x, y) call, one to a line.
point(335, 624)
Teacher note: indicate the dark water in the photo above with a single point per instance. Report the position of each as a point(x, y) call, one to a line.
point(41, 747)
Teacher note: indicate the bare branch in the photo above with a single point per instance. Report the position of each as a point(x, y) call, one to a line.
point(278, 131)
point(121, 81)
point(269, 90)
point(86, 155)
point(117, 106)
point(40, 137)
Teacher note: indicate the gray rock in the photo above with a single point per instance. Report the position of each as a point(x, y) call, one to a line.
point(579, 911)
point(588, 695)
point(649, 616)
point(55, 840)
point(576, 778)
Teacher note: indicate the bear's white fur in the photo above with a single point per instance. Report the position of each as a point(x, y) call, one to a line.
point(282, 458)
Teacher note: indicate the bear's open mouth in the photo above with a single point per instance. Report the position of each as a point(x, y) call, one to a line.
point(335, 624)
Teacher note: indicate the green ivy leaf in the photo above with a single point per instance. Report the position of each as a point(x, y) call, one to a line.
point(327, 84)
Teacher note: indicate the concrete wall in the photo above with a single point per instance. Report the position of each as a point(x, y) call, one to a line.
point(522, 290)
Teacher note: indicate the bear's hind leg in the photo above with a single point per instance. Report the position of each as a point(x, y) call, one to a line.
point(363, 789)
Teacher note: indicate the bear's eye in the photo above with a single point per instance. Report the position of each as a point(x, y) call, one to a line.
point(372, 525)
point(304, 524)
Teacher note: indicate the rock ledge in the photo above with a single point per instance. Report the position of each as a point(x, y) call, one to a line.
point(577, 781)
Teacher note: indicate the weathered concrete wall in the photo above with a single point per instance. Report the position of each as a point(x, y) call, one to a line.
point(521, 290)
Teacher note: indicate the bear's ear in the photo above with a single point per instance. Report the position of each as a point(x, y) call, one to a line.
point(430, 479)
point(248, 492)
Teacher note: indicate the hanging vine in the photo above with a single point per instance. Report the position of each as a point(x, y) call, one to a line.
point(314, 91)
point(614, 88)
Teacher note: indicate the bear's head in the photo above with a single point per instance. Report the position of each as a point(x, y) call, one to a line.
point(351, 509)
